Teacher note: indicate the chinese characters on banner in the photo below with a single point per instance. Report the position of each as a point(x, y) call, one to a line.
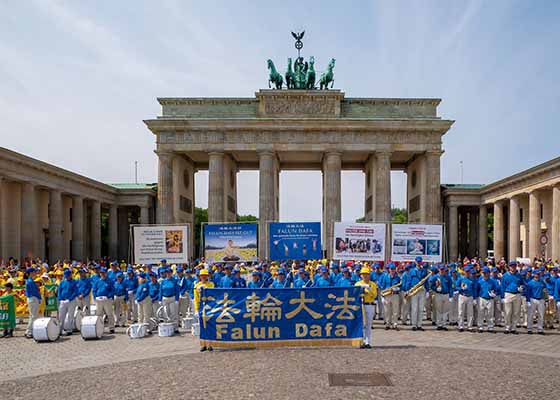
point(411, 241)
point(269, 317)
point(230, 242)
point(295, 241)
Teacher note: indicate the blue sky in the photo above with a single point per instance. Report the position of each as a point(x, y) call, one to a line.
point(78, 78)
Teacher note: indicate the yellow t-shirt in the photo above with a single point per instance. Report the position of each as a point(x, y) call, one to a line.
point(370, 291)
point(197, 287)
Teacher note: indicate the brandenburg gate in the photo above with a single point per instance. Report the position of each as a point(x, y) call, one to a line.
point(298, 130)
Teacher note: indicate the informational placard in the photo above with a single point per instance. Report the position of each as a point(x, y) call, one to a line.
point(288, 317)
point(295, 240)
point(230, 242)
point(153, 243)
point(410, 241)
point(359, 241)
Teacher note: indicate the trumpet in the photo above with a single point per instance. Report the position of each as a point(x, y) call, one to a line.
point(416, 288)
point(389, 290)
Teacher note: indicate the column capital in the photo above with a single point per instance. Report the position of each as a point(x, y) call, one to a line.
point(433, 152)
point(331, 153)
point(164, 155)
point(264, 153)
point(383, 153)
point(216, 153)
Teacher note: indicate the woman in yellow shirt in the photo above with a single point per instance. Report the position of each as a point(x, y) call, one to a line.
point(204, 282)
point(368, 300)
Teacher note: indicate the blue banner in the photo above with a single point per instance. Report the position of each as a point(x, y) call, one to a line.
point(295, 241)
point(281, 317)
point(230, 242)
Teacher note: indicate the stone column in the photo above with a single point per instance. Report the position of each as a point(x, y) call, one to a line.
point(29, 231)
point(144, 215)
point(124, 232)
point(55, 225)
point(473, 231)
point(267, 199)
point(95, 229)
point(453, 233)
point(370, 172)
point(482, 231)
point(332, 164)
point(215, 187)
point(165, 188)
point(113, 231)
point(498, 230)
point(555, 235)
point(514, 235)
point(78, 228)
point(433, 195)
point(534, 224)
point(383, 187)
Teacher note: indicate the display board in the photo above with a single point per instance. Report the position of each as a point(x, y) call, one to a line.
point(359, 241)
point(232, 243)
point(295, 240)
point(153, 243)
point(412, 240)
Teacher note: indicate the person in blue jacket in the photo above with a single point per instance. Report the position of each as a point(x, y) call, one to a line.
point(120, 299)
point(256, 281)
point(84, 291)
point(322, 279)
point(227, 279)
point(103, 293)
point(131, 284)
point(184, 284)
point(535, 302)
point(33, 300)
point(487, 291)
point(468, 293)
point(387, 280)
point(303, 281)
point(67, 293)
point(345, 279)
point(238, 281)
point(441, 285)
point(280, 282)
point(143, 300)
point(113, 271)
point(169, 296)
point(512, 289)
point(153, 285)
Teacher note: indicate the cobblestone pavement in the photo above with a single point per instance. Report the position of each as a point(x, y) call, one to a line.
point(157, 367)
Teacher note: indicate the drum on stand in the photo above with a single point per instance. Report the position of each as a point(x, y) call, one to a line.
point(46, 329)
point(92, 327)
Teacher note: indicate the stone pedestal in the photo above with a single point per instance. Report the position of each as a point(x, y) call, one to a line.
point(332, 164)
point(78, 228)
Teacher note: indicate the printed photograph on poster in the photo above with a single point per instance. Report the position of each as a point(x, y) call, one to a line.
point(410, 241)
point(359, 241)
point(153, 243)
point(295, 240)
point(230, 242)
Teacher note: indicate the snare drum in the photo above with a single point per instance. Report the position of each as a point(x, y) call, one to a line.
point(46, 329)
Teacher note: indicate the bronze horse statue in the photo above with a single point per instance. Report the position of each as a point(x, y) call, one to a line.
point(310, 76)
point(274, 76)
point(290, 77)
point(327, 76)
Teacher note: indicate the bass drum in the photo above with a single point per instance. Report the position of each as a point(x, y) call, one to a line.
point(78, 316)
point(92, 327)
point(46, 329)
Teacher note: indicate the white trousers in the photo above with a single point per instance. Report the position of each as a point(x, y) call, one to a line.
point(537, 306)
point(465, 309)
point(405, 308)
point(512, 307)
point(498, 317)
point(441, 305)
point(66, 310)
point(83, 304)
point(391, 309)
point(170, 308)
point(380, 309)
point(454, 309)
point(417, 308)
point(105, 307)
point(485, 312)
point(33, 305)
point(132, 311)
point(368, 321)
point(145, 310)
point(185, 305)
point(120, 317)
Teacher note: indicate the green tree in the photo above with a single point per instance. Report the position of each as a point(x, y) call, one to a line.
point(399, 215)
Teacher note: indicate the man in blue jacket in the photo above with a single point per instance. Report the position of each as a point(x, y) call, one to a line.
point(468, 293)
point(390, 301)
point(120, 299)
point(84, 291)
point(131, 284)
point(143, 299)
point(487, 292)
point(535, 302)
point(512, 287)
point(67, 293)
point(33, 300)
point(441, 286)
point(103, 293)
point(169, 296)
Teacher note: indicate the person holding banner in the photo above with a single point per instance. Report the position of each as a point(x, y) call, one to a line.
point(9, 321)
point(280, 282)
point(368, 301)
point(238, 281)
point(33, 300)
point(204, 283)
point(323, 280)
point(67, 293)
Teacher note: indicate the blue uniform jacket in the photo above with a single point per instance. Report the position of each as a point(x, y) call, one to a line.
point(67, 290)
point(103, 287)
point(120, 289)
point(84, 287)
point(300, 283)
point(217, 278)
point(386, 281)
point(131, 283)
point(168, 288)
point(226, 282)
point(534, 289)
point(344, 282)
point(239, 283)
point(154, 290)
point(557, 290)
point(185, 285)
point(320, 281)
point(276, 284)
point(467, 287)
point(446, 284)
point(511, 283)
point(31, 289)
point(487, 288)
point(112, 275)
point(142, 291)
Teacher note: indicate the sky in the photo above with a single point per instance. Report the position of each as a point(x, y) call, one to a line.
point(77, 78)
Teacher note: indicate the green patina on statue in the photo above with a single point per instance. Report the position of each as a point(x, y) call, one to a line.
point(303, 74)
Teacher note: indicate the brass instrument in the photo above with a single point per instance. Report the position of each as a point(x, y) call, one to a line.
point(550, 310)
point(389, 290)
point(416, 288)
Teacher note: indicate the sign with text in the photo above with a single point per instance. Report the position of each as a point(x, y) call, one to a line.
point(7, 312)
point(272, 317)
point(295, 240)
point(230, 242)
point(153, 243)
point(359, 241)
point(410, 241)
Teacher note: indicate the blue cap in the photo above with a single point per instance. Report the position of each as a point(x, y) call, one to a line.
point(486, 270)
point(512, 263)
point(555, 268)
point(407, 266)
point(179, 269)
point(164, 261)
point(324, 269)
point(120, 275)
point(142, 275)
point(392, 266)
point(103, 269)
point(494, 269)
point(547, 275)
point(67, 273)
point(96, 266)
point(345, 269)
point(227, 266)
point(418, 259)
point(281, 272)
point(30, 270)
point(188, 271)
point(84, 270)
point(258, 267)
point(236, 270)
point(256, 273)
point(129, 271)
point(151, 273)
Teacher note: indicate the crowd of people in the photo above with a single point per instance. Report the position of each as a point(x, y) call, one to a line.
point(474, 295)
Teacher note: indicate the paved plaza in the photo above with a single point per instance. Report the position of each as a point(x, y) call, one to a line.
point(429, 364)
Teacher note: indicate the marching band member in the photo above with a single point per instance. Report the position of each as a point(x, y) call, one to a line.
point(153, 285)
point(280, 282)
point(388, 280)
point(120, 299)
point(204, 283)
point(183, 285)
point(112, 273)
point(143, 300)
point(131, 284)
point(417, 273)
point(535, 302)
point(405, 287)
point(238, 281)
point(512, 285)
point(256, 281)
point(33, 300)
point(84, 291)
point(368, 298)
point(441, 285)
point(345, 279)
point(227, 280)
point(487, 292)
point(467, 287)
point(169, 296)
point(498, 299)
point(103, 293)
point(67, 293)
point(324, 279)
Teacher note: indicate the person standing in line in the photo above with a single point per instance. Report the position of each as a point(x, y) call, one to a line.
point(368, 299)
point(488, 290)
point(143, 301)
point(103, 292)
point(202, 284)
point(33, 300)
point(535, 302)
point(67, 293)
point(120, 299)
point(512, 287)
point(131, 284)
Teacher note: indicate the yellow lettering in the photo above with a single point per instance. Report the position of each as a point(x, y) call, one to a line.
point(328, 328)
point(315, 331)
point(237, 333)
point(273, 332)
point(248, 331)
point(340, 331)
point(259, 333)
point(301, 330)
point(220, 329)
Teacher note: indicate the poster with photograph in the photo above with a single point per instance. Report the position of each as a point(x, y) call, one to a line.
point(153, 243)
point(412, 240)
point(295, 241)
point(359, 241)
point(230, 242)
